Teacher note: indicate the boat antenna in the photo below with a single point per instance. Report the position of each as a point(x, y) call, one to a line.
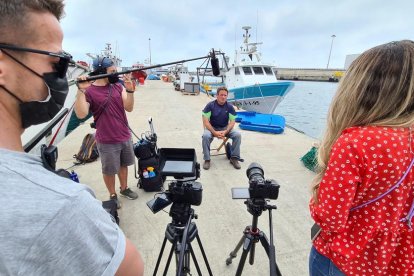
point(257, 22)
point(235, 33)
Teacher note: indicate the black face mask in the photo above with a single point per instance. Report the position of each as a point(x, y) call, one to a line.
point(37, 112)
point(34, 113)
point(113, 79)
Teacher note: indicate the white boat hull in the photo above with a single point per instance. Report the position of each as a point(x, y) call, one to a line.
point(265, 105)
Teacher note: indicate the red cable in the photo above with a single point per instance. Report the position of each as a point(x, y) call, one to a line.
point(60, 126)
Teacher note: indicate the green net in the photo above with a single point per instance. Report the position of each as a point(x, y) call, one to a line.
point(310, 159)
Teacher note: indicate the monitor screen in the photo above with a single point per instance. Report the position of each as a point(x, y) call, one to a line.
point(173, 166)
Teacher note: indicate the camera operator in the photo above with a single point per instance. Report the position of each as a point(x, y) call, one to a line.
point(218, 120)
point(108, 100)
point(49, 225)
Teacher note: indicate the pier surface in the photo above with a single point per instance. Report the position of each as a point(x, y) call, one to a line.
point(221, 220)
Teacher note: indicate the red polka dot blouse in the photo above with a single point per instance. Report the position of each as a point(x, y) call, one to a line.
point(373, 239)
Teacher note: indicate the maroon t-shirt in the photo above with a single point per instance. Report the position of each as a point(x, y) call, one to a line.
point(109, 113)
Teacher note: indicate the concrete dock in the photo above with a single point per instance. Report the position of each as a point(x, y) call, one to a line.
point(310, 74)
point(221, 220)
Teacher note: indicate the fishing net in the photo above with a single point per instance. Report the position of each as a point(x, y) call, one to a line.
point(310, 159)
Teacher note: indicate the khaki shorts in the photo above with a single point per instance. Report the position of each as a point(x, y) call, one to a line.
point(113, 156)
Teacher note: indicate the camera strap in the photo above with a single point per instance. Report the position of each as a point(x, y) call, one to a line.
point(396, 185)
point(103, 107)
point(406, 219)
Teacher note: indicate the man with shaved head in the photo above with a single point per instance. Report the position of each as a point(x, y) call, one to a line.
point(49, 225)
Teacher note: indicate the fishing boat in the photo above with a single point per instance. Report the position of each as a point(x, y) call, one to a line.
point(252, 83)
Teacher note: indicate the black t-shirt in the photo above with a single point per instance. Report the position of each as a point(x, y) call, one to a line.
point(219, 115)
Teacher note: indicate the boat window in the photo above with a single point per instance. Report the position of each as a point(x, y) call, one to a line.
point(268, 71)
point(247, 70)
point(237, 71)
point(257, 70)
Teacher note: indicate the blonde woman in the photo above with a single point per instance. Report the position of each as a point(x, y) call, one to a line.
point(364, 191)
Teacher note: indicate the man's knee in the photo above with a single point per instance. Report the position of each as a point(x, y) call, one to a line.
point(207, 136)
point(236, 135)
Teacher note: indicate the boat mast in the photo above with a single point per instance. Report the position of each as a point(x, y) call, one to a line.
point(246, 37)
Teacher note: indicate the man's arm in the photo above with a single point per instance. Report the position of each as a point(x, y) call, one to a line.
point(128, 100)
point(81, 105)
point(207, 125)
point(132, 263)
point(128, 93)
point(230, 126)
point(232, 121)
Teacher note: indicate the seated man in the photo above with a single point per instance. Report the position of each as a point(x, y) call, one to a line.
point(218, 120)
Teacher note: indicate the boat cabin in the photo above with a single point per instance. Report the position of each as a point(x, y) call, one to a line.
point(249, 75)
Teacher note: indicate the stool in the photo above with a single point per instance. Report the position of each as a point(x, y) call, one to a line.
point(219, 148)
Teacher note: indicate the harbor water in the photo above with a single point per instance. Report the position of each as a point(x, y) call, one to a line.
point(306, 106)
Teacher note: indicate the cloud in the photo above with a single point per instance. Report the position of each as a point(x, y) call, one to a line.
point(294, 33)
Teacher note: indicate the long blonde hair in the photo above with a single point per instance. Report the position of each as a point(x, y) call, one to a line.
point(377, 89)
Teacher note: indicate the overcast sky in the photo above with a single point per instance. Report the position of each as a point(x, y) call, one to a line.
point(295, 33)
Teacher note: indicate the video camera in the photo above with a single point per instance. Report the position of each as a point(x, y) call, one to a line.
point(259, 187)
point(257, 195)
point(184, 190)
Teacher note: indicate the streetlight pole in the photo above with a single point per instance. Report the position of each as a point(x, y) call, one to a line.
point(330, 51)
point(149, 46)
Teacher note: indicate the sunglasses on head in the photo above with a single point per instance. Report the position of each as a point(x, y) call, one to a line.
point(61, 67)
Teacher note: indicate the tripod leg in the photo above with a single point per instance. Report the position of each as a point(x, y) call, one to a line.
point(204, 255)
point(186, 266)
point(246, 248)
point(272, 258)
point(252, 251)
point(169, 257)
point(233, 254)
point(194, 259)
point(265, 242)
point(160, 256)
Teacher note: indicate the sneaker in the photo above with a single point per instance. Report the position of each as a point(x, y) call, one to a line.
point(114, 197)
point(128, 193)
point(206, 164)
point(235, 163)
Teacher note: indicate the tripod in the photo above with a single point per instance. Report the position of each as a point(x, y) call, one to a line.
point(252, 235)
point(181, 237)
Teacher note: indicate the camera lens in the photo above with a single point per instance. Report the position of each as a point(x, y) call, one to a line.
point(254, 171)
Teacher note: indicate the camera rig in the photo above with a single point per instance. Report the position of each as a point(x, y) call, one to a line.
point(182, 192)
point(257, 196)
point(181, 164)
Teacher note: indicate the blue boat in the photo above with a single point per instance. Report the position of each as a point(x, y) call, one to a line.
point(270, 123)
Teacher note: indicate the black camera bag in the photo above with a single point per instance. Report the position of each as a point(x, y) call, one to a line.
point(148, 183)
point(111, 208)
point(144, 149)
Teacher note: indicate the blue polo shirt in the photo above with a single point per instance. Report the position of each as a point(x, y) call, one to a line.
point(219, 115)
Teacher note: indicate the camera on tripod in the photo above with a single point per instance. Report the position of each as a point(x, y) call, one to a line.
point(182, 165)
point(182, 192)
point(259, 187)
